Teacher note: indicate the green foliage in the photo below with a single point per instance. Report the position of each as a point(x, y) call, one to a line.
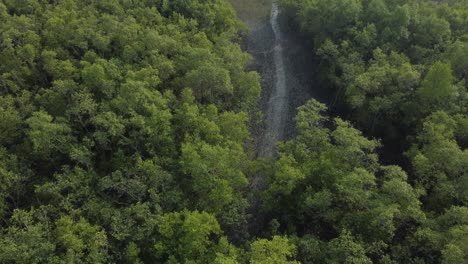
point(33, 238)
point(9, 125)
point(328, 181)
point(116, 116)
point(399, 69)
point(81, 241)
point(124, 136)
point(25, 241)
point(385, 61)
point(216, 173)
point(440, 165)
point(48, 138)
point(437, 88)
point(191, 237)
point(277, 251)
point(344, 250)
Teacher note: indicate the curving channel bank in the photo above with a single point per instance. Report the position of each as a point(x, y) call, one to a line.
point(277, 106)
point(287, 70)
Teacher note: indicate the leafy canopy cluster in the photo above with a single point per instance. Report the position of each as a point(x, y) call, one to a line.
point(399, 69)
point(124, 136)
point(122, 131)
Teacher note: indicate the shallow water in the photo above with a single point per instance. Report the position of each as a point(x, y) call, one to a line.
point(277, 106)
point(288, 71)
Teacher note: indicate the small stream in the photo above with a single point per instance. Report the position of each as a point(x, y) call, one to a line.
point(288, 74)
point(287, 68)
point(277, 106)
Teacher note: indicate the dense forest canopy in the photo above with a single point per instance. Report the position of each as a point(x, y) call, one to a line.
point(122, 124)
point(125, 135)
point(399, 70)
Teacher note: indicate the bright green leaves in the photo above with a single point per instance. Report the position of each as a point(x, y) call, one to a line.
point(80, 241)
point(214, 16)
point(233, 126)
point(142, 182)
point(455, 245)
point(330, 18)
point(48, 138)
point(456, 55)
point(101, 78)
point(246, 84)
point(396, 30)
point(12, 179)
point(26, 241)
point(218, 77)
point(390, 63)
point(32, 238)
point(209, 83)
point(20, 49)
point(437, 91)
point(192, 121)
point(58, 69)
point(431, 32)
point(248, 90)
point(378, 93)
point(216, 173)
point(310, 122)
point(213, 162)
point(287, 176)
point(354, 149)
point(366, 38)
point(110, 127)
point(329, 181)
point(82, 108)
point(355, 189)
point(395, 189)
point(215, 71)
point(113, 115)
point(444, 178)
point(146, 118)
point(310, 116)
point(444, 238)
point(345, 250)
point(377, 11)
point(278, 250)
point(10, 121)
point(190, 237)
point(70, 190)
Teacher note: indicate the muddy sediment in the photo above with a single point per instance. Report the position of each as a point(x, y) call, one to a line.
point(287, 70)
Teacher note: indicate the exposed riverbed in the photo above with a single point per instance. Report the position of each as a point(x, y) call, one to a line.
point(287, 70)
point(276, 111)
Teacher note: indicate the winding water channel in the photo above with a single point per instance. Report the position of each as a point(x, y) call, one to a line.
point(287, 69)
point(277, 106)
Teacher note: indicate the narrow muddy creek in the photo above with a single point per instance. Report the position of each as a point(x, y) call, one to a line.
point(276, 111)
point(287, 70)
